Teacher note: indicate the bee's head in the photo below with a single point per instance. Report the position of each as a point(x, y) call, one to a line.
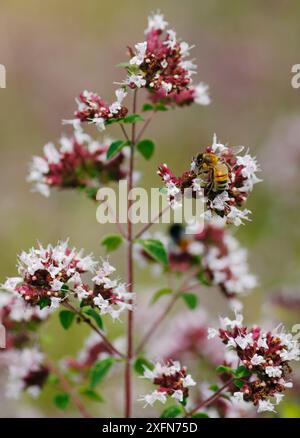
point(176, 232)
point(209, 158)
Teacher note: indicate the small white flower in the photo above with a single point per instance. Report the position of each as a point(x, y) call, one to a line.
point(191, 69)
point(278, 397)
point(171, 42)
point(188, 381)
point(244, 341)
point(137, 80)
point(201, 94)
point(238, 397)
point(273, 371)
point(185, 49)
point(177, 395)
point(99, 122)
point(265, 405)
point(226, 322)
point(74, 122)
point(56, 285)
point(236, 216)
point(55, 303)
point(167, 87)
point(66, 145)
point(140, 48)
point(220, 201)
point(51, 153)
point(156, 21)
point(212, 333)
point(257, 360)
point(164, 63)
point(11, 283)
point(262, 342)
point(150, 399)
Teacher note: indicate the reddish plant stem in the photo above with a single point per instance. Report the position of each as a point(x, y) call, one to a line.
point(145, 126)
point(68, 388)
point(128, 366)
point(152, 222)
point(93, 327)
point(124, 132)
point(153, 328)
point(167, 310)
point(210, 399)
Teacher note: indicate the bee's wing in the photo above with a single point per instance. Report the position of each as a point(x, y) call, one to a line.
point(237, 149)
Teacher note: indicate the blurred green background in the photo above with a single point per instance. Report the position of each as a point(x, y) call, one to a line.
point(244, 50)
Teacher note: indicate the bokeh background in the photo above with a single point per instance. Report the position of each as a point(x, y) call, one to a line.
point(245, 50)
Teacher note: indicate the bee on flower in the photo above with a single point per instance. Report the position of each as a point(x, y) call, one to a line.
point(172, 381)
point(223, 177)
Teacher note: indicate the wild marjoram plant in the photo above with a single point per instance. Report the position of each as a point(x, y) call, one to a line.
point(257, 370)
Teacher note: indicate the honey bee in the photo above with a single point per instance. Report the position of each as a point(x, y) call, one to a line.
point(179, 237)
point(212, 171)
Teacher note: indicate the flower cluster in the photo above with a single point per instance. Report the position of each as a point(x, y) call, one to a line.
point(18, 317)
point(160, 65)
point(265, 358)
point(172, 380)
point(46, 274)
point(110, 296)
point(79, 162)
point(26, 372)
point(93, 109)
point(221, 260)
point(224, 178)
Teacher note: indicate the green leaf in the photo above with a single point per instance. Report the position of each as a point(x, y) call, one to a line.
point(200, 415)
point(171, 412)
point(140, 364)
point(133, 118)
point(239, 383)
point(62, 400)
point(155, 249)
point(163, 190)
point(44, 302)
point(155, 107)
point(223, 369)
point(93, 314)
point(115, 148)
point(161, 107)
point(112, 242)
point(159, 294)
point(202, 276)
point(148, 107)
point(214, 388)
point(123, 65)
point(146, 148)
point(190, 299)
point(241, 372)
point(52, 379)
point(91, 192)
point(99, 371)
point(92, 395)
point(66, 318)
